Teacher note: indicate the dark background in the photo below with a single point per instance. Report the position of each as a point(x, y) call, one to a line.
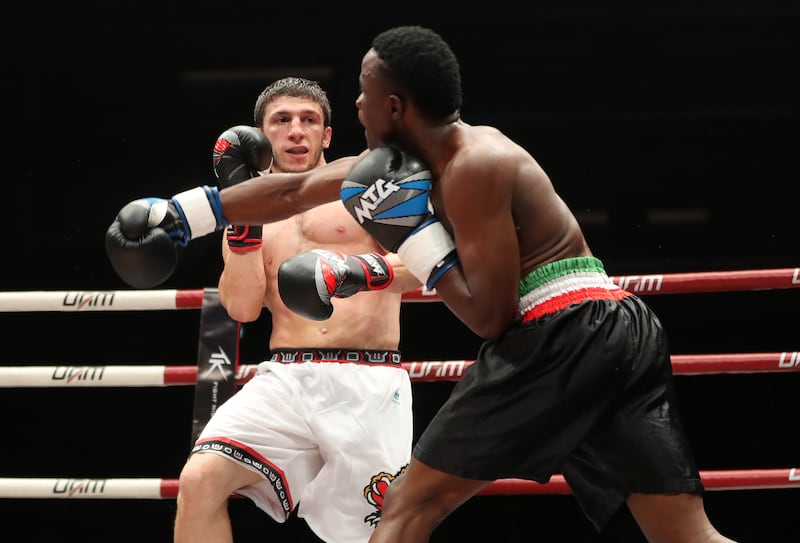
point(670, 129)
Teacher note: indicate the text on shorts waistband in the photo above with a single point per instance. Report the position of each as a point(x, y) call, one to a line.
point(558, 285)
point(342, 356)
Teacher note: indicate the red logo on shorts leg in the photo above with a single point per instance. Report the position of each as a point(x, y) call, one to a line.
point(375, 492)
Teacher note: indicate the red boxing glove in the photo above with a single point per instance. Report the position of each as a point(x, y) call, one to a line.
point(308, 281)
point(240, 153)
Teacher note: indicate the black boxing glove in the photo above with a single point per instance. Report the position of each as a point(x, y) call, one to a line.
point(387, 193)
point(141, 241)
point(241, 153)
point(308, 281)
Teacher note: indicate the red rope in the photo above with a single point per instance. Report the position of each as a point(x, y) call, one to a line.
point(452, 370)
point(154, 488)
point(720, 480)
point(141, 300)
point(426, 371)
point(712, 480)
point(684, 283)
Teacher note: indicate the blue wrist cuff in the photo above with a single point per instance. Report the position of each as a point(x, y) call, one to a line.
point(216, 206)
point(183, 235)
point(442, 268)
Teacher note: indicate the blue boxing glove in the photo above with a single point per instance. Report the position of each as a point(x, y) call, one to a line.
point(308, 281)
point(141, 242)
point(387, 192)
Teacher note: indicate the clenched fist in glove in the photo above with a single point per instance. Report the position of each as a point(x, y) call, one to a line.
point(141, 242)
point(387, 193)
point(308, 281)
point(241, 153)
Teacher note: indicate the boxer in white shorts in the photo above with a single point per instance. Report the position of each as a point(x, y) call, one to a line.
point(322, 432)
point(327, 422)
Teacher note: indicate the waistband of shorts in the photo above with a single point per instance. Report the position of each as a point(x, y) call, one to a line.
point(557, 285)
point(341, 356)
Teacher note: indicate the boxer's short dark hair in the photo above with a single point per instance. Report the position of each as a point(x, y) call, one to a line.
point(421, 64)
point(297, 87)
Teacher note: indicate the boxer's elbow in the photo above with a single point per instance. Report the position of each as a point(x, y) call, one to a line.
point(243, 312)
point(490, 328)
point(241, 306)
point(489, 323)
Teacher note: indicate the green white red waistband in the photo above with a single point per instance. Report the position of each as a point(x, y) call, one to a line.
point(558, 285)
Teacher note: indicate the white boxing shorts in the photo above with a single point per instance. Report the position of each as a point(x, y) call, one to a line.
point(327, 430)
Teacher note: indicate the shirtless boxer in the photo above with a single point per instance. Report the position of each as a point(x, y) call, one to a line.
point(327, 420)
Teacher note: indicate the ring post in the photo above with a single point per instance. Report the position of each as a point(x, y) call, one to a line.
point(217, 360)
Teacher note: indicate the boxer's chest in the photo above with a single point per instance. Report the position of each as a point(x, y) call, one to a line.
point(328, 224)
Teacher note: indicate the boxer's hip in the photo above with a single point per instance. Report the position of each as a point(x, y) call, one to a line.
point(337, 355)
point(560, 284)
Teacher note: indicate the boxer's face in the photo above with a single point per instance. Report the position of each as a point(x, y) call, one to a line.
point(295, 128)
point(374, 103)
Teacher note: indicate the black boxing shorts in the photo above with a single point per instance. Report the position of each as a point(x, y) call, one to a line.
point(582, 385)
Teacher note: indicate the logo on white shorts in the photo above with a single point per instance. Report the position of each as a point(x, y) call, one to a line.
point(375, 492)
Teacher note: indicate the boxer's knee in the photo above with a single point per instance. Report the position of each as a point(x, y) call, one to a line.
point(207, 481)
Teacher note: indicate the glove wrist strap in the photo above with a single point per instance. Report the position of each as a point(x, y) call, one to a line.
point(428, 252)
point(244, 238)
point(378, 273)
point(200, 210)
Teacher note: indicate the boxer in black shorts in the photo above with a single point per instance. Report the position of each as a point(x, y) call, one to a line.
point(602, 412)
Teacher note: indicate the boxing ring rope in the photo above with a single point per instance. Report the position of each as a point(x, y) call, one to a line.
point(421, 371)
point(167, 299)
point(71, 375)
point(154, 488)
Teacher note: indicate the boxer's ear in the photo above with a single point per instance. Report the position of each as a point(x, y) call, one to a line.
point(397, 105)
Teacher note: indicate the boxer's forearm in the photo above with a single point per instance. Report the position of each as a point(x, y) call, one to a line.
point(141, 241)
point(277, 196)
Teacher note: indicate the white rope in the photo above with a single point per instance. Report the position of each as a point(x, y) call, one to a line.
point(82, 376)
point(68, 488)
point(103, 300)
point(64, 376)
point(156, 489)
point(138, 300)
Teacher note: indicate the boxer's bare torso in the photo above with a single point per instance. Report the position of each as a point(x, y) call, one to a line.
point(363, 320)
